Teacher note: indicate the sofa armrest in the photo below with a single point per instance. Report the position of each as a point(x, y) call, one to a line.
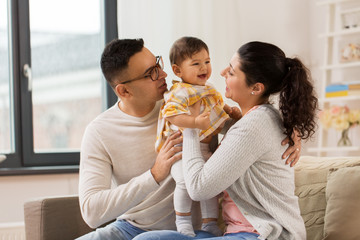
point(52, 218)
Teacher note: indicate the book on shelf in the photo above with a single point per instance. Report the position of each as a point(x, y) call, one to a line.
point(344, 89)
point(336, 90)
point(336, 94)
point(354, 86)
point(353, 83)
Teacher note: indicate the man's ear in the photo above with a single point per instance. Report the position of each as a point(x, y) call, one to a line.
point(121, 90)
point(258, 88)
point(176, 69)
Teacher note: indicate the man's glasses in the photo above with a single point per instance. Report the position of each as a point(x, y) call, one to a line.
point(153, 72)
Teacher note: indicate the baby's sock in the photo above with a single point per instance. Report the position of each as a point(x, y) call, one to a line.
point(212, 227)
point(184, 225)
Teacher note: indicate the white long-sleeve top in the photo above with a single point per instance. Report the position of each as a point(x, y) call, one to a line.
point(248, 165)
point(118, 149)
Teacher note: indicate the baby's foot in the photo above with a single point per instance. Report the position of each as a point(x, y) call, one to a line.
point(212, 227)
point(184, 225)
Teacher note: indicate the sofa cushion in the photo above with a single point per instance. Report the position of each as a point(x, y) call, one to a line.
point(310, 182)
point(54, 218)
point(342, 218)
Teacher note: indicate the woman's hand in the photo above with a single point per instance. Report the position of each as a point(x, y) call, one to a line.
point(292, 152)
point(167, 157)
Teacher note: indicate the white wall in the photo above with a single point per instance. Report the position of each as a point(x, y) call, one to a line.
point(317, 26)
point(15, 190)
point(224, 25)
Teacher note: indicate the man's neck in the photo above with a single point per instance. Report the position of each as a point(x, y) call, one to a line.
point(136, 110)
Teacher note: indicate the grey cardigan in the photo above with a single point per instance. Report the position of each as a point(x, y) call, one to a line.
point(248, 165)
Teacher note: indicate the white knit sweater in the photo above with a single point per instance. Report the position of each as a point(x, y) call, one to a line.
point(117, 153)
point(248, 165)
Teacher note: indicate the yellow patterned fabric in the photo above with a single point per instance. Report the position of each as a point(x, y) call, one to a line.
point(177, 101)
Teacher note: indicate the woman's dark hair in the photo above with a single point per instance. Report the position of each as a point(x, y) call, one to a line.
point(184, 48)
point(116, 55)
point(267, 64)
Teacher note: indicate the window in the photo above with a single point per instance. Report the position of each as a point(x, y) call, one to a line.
point(66, 91)
point(51, 81)
point(6, 135)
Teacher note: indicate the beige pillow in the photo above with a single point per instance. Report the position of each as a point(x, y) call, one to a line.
point(310, 181)
point(342, 215)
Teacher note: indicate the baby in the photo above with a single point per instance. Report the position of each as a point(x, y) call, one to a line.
point(190, 61)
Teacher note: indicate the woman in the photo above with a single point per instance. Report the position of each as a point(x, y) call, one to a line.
point(259, 200)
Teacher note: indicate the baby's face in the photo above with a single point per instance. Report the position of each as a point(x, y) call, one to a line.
point(197, 69)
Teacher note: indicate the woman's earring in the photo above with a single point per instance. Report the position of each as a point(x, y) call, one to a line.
point(252, 93)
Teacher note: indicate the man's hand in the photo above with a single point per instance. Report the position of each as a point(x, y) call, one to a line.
point(292, 152)
point(167, 157)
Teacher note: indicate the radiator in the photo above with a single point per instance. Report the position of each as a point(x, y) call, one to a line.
point(12, 231)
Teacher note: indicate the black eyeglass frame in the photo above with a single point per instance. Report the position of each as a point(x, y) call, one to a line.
point(153, 70)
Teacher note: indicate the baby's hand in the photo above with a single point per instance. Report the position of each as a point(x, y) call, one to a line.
point(203, 121)
point(233, 112)
point(195, 109)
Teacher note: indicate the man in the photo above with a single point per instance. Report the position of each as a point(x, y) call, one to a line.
point(121, 176)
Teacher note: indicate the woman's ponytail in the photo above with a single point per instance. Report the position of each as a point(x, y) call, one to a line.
point(298, 103)
point(267, 64)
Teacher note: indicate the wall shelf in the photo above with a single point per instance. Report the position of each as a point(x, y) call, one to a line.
point(335, 71)
point(325, 2)
point(342, 65)
point(341, 32)
point(352, 10)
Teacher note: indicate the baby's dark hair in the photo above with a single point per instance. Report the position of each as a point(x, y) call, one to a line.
point(267, 64)
point(116, 56)
point(184, 48)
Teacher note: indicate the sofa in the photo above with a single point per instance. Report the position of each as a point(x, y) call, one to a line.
point(328, 189)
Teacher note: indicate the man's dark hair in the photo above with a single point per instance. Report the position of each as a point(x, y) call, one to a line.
point(184, 48)
point(116, 55)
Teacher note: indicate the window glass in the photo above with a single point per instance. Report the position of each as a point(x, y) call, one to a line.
point(6, 113)
point(65, 55)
